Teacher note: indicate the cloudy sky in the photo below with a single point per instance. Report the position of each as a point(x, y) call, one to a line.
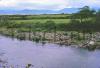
point(47, 4)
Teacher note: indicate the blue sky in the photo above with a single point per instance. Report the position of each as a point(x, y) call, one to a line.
point(47, 4)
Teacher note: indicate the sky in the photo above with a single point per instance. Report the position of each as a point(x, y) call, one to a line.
point(47, 4)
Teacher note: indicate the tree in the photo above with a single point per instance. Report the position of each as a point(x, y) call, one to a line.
point(83, 20)
point(97, 20)
point(51, 26)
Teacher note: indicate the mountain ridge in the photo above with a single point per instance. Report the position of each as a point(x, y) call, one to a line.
point(27, 11)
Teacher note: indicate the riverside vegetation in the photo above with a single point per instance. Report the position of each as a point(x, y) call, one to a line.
point(81, 29)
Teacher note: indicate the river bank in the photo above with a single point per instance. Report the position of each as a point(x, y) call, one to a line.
point(63, 38)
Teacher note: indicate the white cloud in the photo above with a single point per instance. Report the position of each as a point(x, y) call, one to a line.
point(5, 3)
point(34, 4)
point(47, 4)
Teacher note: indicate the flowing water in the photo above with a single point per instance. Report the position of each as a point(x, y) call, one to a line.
point(19, 53)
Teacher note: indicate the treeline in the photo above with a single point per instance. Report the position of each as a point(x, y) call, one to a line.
point(30, 17)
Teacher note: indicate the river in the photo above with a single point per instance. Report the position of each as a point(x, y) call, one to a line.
point(19, 53)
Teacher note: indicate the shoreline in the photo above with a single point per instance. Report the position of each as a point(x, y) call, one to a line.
point(43, 37)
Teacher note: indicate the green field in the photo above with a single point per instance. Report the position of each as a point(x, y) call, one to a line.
point(42, 20)
point(57, 18)
point(50, 15)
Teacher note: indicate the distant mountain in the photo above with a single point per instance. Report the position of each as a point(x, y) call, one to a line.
point(26, 11)
point(96, 8)
point(69, 10)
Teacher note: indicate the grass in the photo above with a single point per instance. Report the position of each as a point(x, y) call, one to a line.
point(57, 18)
point(42, 20)
point(49, 15)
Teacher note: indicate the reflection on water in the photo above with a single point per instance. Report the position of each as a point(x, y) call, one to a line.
point(47, 55)
point(2, 59)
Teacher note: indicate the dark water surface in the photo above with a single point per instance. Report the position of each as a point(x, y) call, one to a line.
point(16, 52)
